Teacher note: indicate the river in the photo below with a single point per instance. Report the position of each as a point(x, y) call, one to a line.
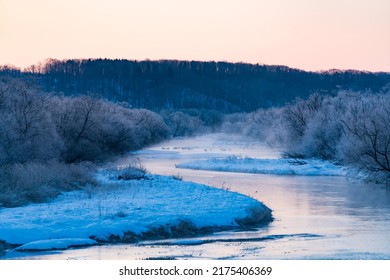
point(316, 217)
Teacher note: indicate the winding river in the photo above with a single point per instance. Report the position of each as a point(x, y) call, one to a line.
point(316, 217)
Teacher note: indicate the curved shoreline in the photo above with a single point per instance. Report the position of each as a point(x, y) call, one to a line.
point(184, 229)
point(159, 207)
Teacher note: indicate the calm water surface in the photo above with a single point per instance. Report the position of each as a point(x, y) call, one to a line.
point(316, 217)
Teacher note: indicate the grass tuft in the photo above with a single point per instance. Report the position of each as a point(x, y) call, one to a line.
point(26, 183)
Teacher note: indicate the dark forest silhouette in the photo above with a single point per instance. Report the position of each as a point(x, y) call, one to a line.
point(170, 84)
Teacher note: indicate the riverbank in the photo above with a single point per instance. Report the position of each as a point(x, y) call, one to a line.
point(282, 166)
point(128, 211)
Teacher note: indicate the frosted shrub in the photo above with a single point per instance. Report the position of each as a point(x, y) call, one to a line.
point(133, 171)
point(177, 177)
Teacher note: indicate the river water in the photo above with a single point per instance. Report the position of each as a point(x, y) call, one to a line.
point(316, 217)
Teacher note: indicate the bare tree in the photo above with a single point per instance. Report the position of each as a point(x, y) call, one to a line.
point(26, 128)
point(298, 115)
point(366, 141)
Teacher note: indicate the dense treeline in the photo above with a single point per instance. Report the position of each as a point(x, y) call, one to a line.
point(169, 84)
point(45, 140)
point(37, 126)
point(350, 128)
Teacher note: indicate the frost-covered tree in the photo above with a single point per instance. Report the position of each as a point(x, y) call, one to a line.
point(151, 126)
point(26, 129)
point(37, 126)
point(182, 124)
point(296, 120)
point(366, 139)
point(93, 129)
point(323, 130)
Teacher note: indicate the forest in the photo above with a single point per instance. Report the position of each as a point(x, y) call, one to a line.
point(61, 119)
point(171, 84)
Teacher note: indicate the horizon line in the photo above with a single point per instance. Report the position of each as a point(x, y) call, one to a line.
point(329, 70)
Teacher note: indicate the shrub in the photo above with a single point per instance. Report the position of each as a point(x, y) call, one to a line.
point(177, 177)
point(133, 171)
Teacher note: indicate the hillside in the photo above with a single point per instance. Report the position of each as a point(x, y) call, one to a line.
point(171, 84)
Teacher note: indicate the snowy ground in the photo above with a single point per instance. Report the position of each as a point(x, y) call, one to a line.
point(267, 166)
point(80, 218)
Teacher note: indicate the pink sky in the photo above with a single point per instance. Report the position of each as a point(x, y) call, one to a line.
point(306, 34)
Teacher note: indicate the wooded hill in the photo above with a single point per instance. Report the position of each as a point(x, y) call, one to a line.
point(171, 84)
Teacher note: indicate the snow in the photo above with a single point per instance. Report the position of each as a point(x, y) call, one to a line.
point(307, 167)
point(56, 244)
point(116, 207)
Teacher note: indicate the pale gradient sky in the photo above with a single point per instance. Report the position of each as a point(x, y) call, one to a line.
point(305, 34)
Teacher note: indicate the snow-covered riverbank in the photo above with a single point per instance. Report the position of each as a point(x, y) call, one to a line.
point(307, 167)
point(128, 211)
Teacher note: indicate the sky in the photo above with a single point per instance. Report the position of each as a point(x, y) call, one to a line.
point(312, 35)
